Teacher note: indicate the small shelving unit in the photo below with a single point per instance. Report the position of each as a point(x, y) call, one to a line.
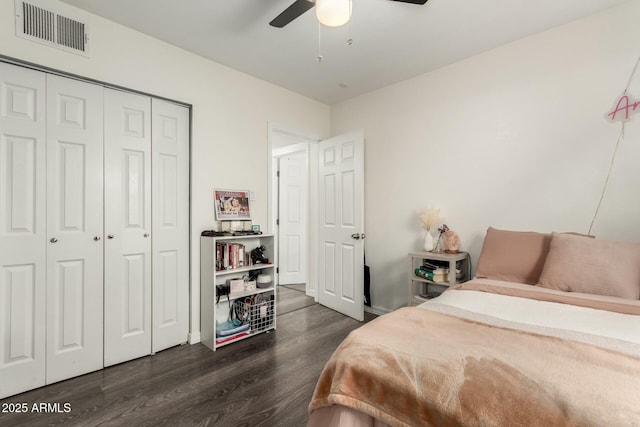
point(422, 289)
point(259, 304)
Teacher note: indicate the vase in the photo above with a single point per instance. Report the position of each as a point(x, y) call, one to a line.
point(436, 244)
point(428, 242)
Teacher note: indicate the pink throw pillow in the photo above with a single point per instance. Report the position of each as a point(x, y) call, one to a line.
point(601, 267)
point(513, 256)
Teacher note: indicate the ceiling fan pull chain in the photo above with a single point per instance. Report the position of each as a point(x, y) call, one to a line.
point(319, 58)
point(350, 39)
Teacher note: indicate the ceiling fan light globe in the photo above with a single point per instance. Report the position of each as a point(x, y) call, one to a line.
point(333, 13)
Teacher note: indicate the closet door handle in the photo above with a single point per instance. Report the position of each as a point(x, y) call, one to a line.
point(146, 234)
point(96, 238)
point(53, 240)
point(110, 236)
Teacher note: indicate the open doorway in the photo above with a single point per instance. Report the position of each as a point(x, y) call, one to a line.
point(292, 221)
point(293, 206)
point(333, 209)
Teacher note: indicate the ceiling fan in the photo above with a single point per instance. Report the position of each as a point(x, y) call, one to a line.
point(298, 7)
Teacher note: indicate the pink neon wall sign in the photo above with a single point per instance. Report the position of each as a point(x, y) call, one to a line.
point(624, 109)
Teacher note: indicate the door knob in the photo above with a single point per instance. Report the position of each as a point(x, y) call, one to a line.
point(146, 234)
point(356, 236)
point(53, 240)
point(363, 235)
point(96, 238)
point(110, 236)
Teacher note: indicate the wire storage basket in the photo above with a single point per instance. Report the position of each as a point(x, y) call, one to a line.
point(261, 312)
point(247, 316)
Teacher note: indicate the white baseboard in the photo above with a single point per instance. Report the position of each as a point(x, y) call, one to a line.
point(194, 338)
point(379, 311)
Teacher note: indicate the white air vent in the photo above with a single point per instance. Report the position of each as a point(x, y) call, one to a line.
point(33, 22)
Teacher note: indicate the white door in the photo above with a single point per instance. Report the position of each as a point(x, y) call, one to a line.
point(292, 231)
point(74, 228)
point(170, 219)
point(341, 224)
point(127, 256)
point(22, 229)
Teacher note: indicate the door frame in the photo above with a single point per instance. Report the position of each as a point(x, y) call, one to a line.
point(298, 142)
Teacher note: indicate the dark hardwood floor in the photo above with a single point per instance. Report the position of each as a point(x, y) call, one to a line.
point(266, 380)
point(292, 297)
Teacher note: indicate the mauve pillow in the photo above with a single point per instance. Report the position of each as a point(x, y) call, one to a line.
point(601, 267)
point(513, 256)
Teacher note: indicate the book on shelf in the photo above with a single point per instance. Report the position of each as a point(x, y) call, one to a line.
point(436, 275)
point(231, 255)
point(435, 264)
point(231, 338)
point(440, 277)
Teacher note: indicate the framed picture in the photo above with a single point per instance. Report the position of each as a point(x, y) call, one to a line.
point(255, 227)
point(232, 205)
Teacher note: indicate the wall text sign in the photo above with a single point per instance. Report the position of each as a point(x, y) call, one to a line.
point(624, 109)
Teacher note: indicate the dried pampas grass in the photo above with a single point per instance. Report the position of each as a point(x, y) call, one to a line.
point(429, 217)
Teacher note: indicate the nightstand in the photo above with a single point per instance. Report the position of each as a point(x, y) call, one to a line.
point(422, 289)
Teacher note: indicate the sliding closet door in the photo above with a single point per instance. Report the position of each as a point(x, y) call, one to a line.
point(127, 257)
point(74, 228)
point(170, 216)
point(22, 229)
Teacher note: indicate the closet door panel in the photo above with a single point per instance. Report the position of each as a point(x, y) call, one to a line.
point(22, 229)
point(128, 220)
point(170, 216)
point(74, 228)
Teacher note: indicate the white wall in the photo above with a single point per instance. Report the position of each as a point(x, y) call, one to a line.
point(231, 110)
point(513, 138)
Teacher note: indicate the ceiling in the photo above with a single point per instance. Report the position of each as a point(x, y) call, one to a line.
point(392, 41)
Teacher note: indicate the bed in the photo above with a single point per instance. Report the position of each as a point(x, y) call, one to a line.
point(548, 333)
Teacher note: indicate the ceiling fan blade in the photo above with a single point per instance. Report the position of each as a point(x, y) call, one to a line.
point(412, 1)
point(292, 12)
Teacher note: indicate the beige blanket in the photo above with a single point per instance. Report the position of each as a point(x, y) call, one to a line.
point(415, 367)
